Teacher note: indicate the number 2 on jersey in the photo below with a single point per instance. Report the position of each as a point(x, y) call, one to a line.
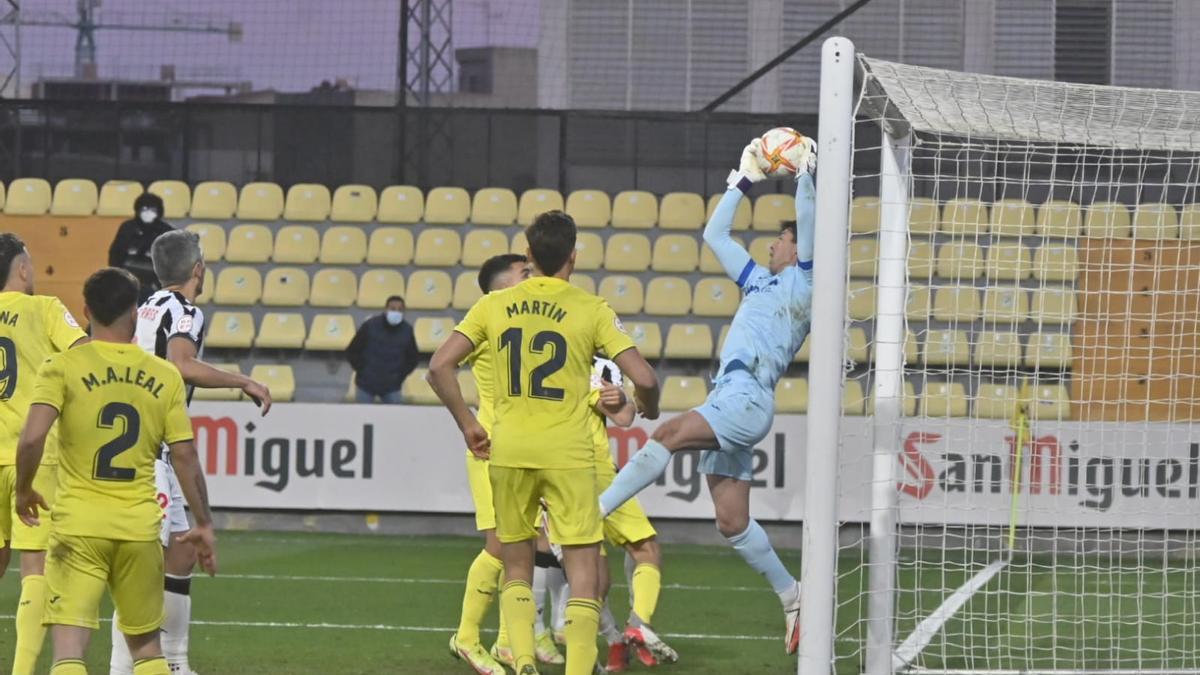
point(542, 341)
point(8, 370)
point(104, 470)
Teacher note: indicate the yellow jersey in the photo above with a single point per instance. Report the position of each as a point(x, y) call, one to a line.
point(542, 334)
point(117, 405)
point(32, 327)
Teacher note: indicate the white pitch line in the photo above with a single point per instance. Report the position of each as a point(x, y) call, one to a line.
point(415, 580)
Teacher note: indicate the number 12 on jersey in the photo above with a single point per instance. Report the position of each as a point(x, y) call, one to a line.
point(543, 342)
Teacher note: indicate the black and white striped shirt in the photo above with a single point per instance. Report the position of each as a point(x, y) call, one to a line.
point(166, 315)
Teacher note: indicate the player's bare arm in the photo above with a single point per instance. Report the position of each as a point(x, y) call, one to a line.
point(443, 380)
point(29, 457)
point(645, 382)
point(191, 480)
point(615, 405)
point(182, 353)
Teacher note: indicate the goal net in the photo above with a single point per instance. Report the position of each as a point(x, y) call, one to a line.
point(1023, 324)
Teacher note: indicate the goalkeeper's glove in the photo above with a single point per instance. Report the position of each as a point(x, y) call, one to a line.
point(808, 161)
point(748, 171)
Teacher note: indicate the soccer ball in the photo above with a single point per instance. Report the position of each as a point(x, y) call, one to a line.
point(783, 151)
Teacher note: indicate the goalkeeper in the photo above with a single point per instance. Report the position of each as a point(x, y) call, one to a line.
point(767, 331)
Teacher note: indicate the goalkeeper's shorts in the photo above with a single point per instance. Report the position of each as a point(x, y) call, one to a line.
point(740, 412)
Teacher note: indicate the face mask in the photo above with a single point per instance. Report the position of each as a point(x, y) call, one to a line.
point(394, 318)
point(148, 216)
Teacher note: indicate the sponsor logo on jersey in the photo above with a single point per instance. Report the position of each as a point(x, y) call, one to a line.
point(184, 325)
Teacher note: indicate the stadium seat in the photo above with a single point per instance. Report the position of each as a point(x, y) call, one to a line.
point(330, 333)
point(416, 389)
point(117, 197)
point(1, 195)
point(1049, 351)
point(675, 253)
point(431, 332)
point(647, 336)
point(285, 287)
point(306, 202)
point(623, 293)
point(259, 201)
point(864, 215)
point(238, 286)
point(771, 210)
point(74, 197)
point(858, 349)
point(741, 217)
point(671, 296)
point(921, 261)
point(1054, 262)
point(589, 251)
point(482, 244)
point(804, 354)
point(965, 216)
point(210, 284)
point(176, 196)
point(634, 210)
point(1005, 305)
point(583, 281)
point(956, 303)
point(589, 208)
point(708, 260)
point(249, 244)
point(535, 202)
point(225, 394)
point(333, 287)
point(947, 348)
point(918, 304)
point(520, 244)
point(721, 337)
point(343, 245)
point(908, 401)
point(1150, 221)
point(353, 204)
point(1189, 222)
point(996, 401)
point(376, 286)
point(437, 247)
point(401, 204)
point(860, 300)
point(760, 250)
point(923, 216)
point(944, 399)
point(447, 206)
point(864, 257)
point(683, 392)
point(466, 382)
point(494, 206)
point(1049, 401)
point(961, 260)
point(689, 341)
point(296, 245)
point(998, 349)
point(1107, 220)
point(1012, 218)
point(466, 290)
point(390, 246)
point(627, 252)
point(853, 398)
point(230, 330)
point(27, 197)
point(1059, 218)
point(912, 347)
point(280, 379)
point(428, 289)
point(281, 330)
point(212, 240)
point(1053, 305)
point(681, 211)
point(1008, 261)
point(791, 395)
point(213, 199)
point(714, 296)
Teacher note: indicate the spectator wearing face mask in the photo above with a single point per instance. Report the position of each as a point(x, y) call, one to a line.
point(130, 249)
point(383, 353)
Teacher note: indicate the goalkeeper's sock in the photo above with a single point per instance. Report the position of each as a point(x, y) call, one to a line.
point(755, 549)
point(177, 620)
point(516, 602)
point(69, 667)
point(483, 578)
point(30, 631)
point(121, 661)
point(583, 617)
point(647, 584)
point(153, 666)
point(642, 469)
point(540, 577)
point(608, 626)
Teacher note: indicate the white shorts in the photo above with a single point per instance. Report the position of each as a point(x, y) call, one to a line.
point(170, 498)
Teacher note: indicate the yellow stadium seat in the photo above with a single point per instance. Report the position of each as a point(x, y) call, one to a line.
point(670, 296)
point(1059, 218)
point(589, 208)
point(683, 393)
point(708, 260)
point(681, 211)
point(634, 210)
point(741, 217)
point(771, 210)
point(791, 395)
point(117, 196)
point(804, 355)
point(402, 204)
point(996, 401)
point(259, 201)
point(965, 216)
point(1151, 221)
point(647, 336)
point(584, 281)
point(429, 289)
point(1109, 220)
point(853, 398)
point(483, 244)
point(721, 338)
point(1012, 218)
point(589, 251)
point(390, 246)
point(689, 341)
point(1048, 401)
point(249, 244)
point(230, 330)
point(1056, 263)
point(447, 206)
point(74, 197)
point(176, 196)
point(918, 304)
point(715, 296)
point(376, 286)
point(296, 245)
point(416, 389)
point(285, 287)
point(431, 332)
point(212, 240)
point(957, 303)
point(960, 260)
point(28, 197)
point(470, 393)
point(466, 290)
point(623, 293)
point(864, 257)
point(307, 202)
point(923, 216)
point(1053, 305)
point(912, 348)
point(281, 330)
point(864, 215)
point(535, 202)
point(238, 286)
point(760, 250)
point(944, 399)
point(908, 401)
point(210, 284)
point(280, 379)
point(227, 394)
point(860, 300)
point(213, 199)
point(675, 253)
point(1008, 261)
point(520, 244)
point(343, 245)
point(438, 247)
point(1, 195)
point(998, 349)
point(353, 204)
point(332, 287)
point(922, 261)
point(1189, 222)
point(1049, 351)
point(1005, 305)
point(627, 252)
point(494, 206)
point(330, 333)
point(858, 349)
point(947, 348)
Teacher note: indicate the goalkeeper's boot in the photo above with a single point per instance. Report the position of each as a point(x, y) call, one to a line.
point(791, 614)
point(476, 657)
point(650, 648)
point(503, 654)
point(618, 658)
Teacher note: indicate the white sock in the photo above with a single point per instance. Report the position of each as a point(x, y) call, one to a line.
point(608, 625)
point(539, 599)
point(175, 626)
point(556, 582)
point(121, 661)
point(630, 567)
point(790, 596)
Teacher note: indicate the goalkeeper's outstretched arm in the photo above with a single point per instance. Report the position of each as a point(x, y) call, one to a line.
point(806, 216)
point(730, 254)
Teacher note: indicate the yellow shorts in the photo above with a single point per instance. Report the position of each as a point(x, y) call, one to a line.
point(24, 537)
point(628, 524)
point(572, 504)
point(481, 493)
point(78, 569)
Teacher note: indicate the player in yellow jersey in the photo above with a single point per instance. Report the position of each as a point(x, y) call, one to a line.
point(542, 334)
point(32, 327)
point(115, 406)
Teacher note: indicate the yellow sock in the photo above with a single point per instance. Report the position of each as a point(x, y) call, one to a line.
point(582, 623)
point(647, 584)
point(154, 666)
point(69, 667)
point(483, 578)
point(502, 636)
point(516, 604)
point(30, 631)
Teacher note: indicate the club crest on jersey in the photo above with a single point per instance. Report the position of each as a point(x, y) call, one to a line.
point(185, 324)
point(70, 319)
point(620, 326)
